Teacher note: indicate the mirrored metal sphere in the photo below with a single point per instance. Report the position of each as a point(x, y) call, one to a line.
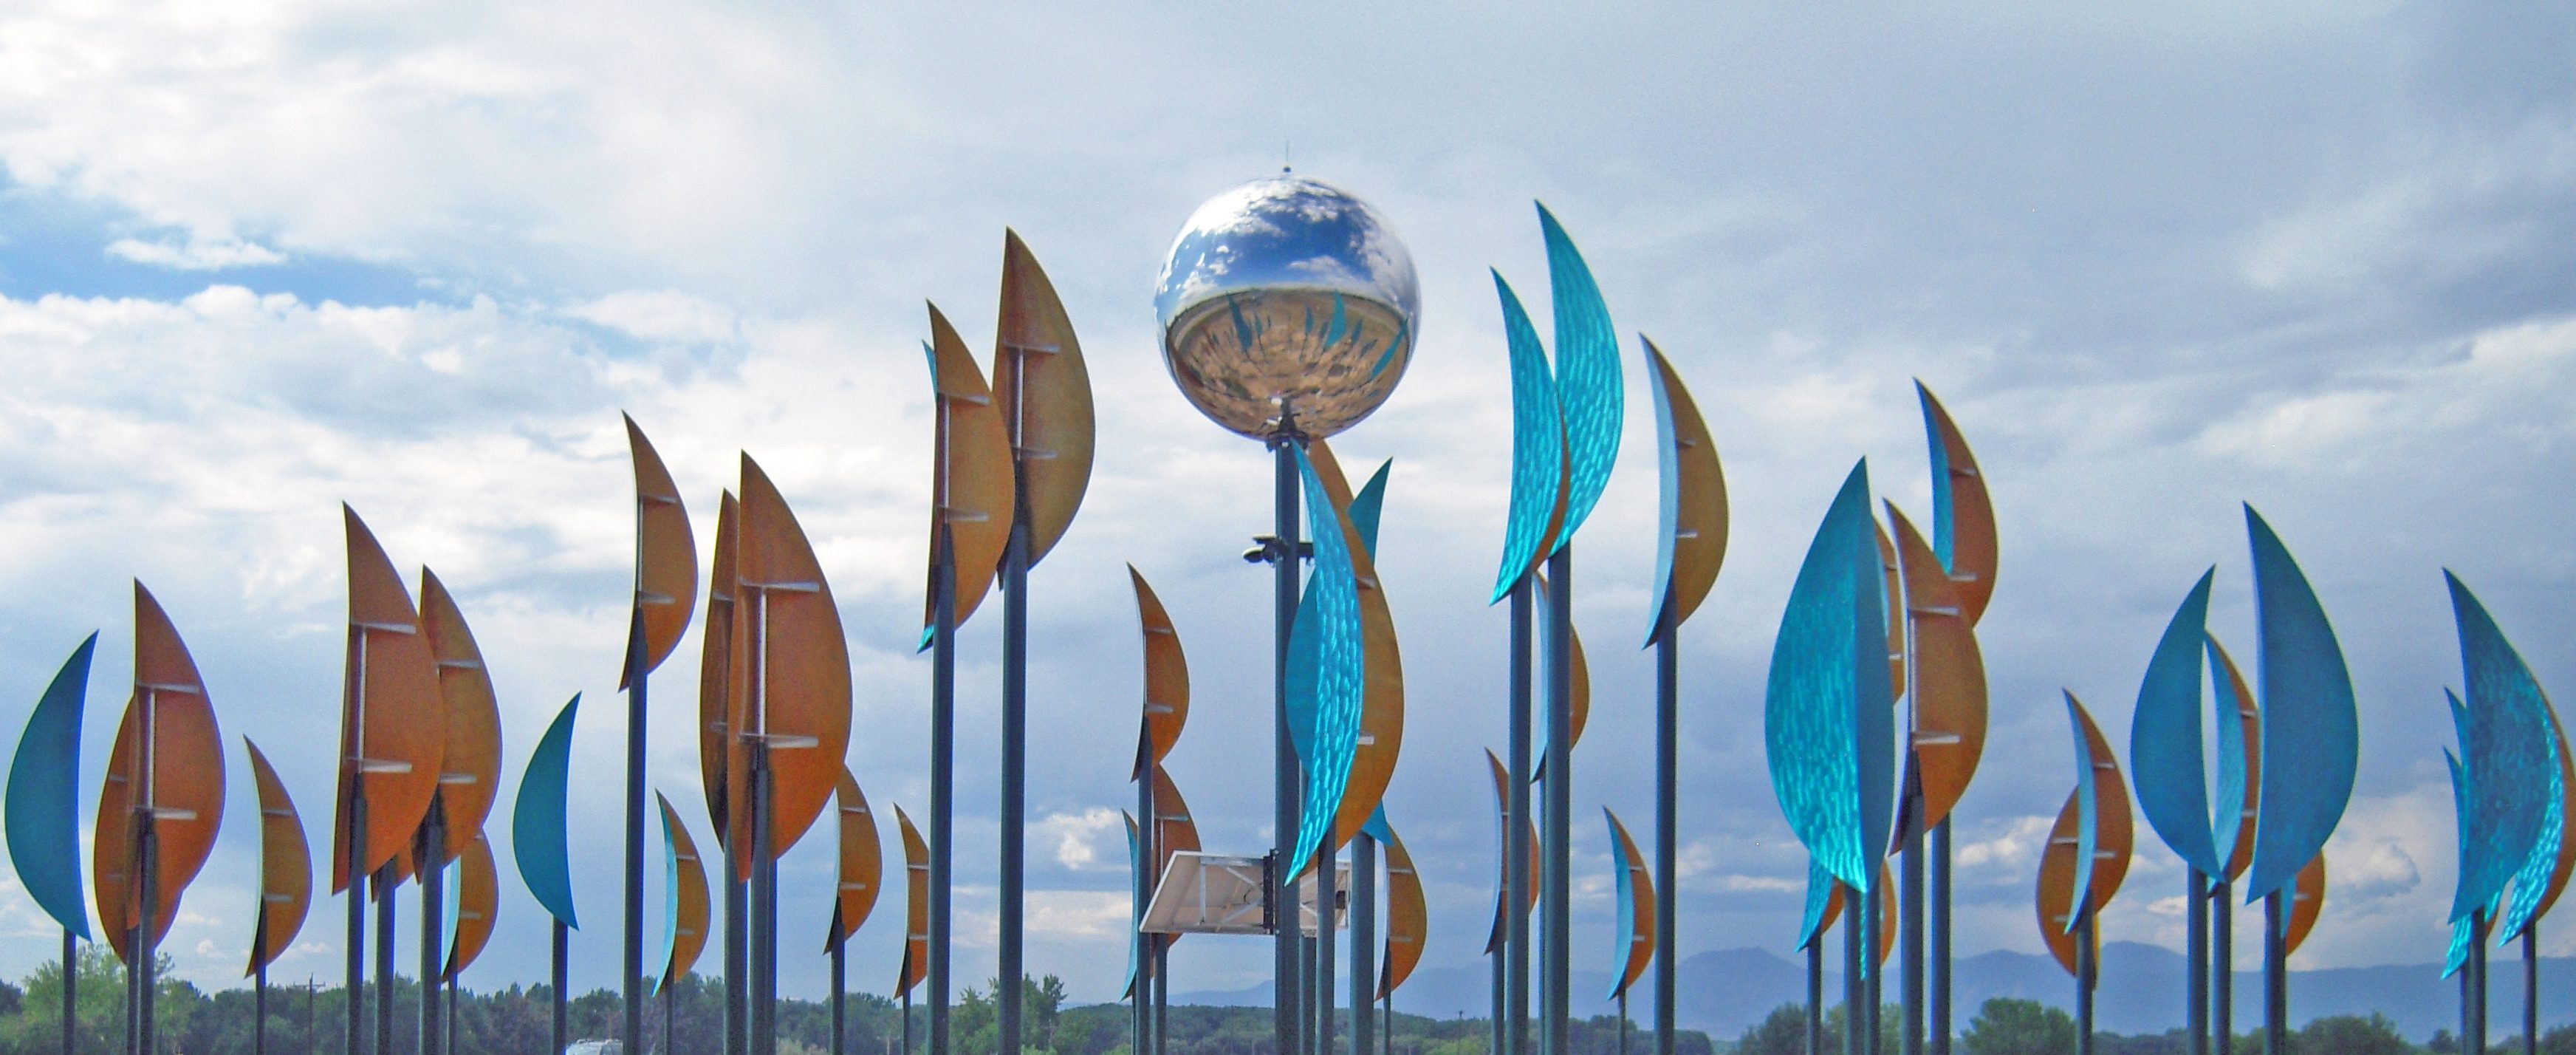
point(1287, 299)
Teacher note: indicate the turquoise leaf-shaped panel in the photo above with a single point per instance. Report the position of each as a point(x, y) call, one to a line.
point(1587, 375)
point(539, 837)
point(1668, 497)
point(1368, 504)
point(1627, 901)
point(1829, 705)
point(1340, 668)
point(1305, 642)
point(1376, 827)
point(2088, 814)
point(2531, 882)
point(1820, 896)
point(1944, 508)
point(1538, 443)
point(2226, 710)
point(43, 809)
point(2164, 736)
point(2312, 733)
point(671, 894)
point(2506, 748)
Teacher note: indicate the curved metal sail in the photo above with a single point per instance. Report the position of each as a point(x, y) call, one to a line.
point(1540, 471)
point(2088, 849)
point(285, 866)
point(2307, 779)
point(167, 770)
point(1502, 860)
point(1637, 907)
point(971, 475)
point(1579, 673)
point(1340, 680)
point(469, 768)
point(666, 554)
point(1894, 595)
point(1587, 376)
point(1175, 831)
point(862, 862)
point(2308, 900)
point(2240, 760)
point(392, 721)
point(715, 666)
point(478, 906)
point(684, 877)
point(2536, 887)
point(1826, 896)
point(1963, 514)
point(539, 834)
point(43, 808)
point(2164, 737)
point(916, 906)
point(1167, 678)
point(1693, 507)
point(1949, 679)
point(1381, 718)
point(1408, 920)
point(2507, 745)
point(790, 670)
point(2464, 815)
point(1829, 708)
point(1044, 392)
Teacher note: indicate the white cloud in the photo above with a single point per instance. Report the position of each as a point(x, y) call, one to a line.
point(196, 254)
point(1078, 838)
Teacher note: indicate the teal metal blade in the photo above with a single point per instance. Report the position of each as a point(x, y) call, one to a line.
point(1820, 895)
point(2228, 818)
point(2312, 733)
point(2531, 882)
point(2507, 749)
point(1538, 443)
point(1587, 375)
point(2164, 736)
point(1627, 901)
point(1829, 705)
point(2088, 814)
point(43, 808)
point(671, 895)
point(539, 837)
point(1340, 668)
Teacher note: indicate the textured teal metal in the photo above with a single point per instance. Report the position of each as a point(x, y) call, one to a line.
point(2088, 814)
point(2531, 882)
point(2506, 747)
point(2464, 810)
point(2228, 820)
point(1376, 827)
point(1943, 506)
point(2307, 701)
point(1340, 668)
point(44, 796)
point(1820, 895)
point(1627, 898)
point(1305, 644)
point(1368, 504)
point(539, 837)
point(1587, 375)
point(1829, 706)
point(2164, 736)
point(1538, 443)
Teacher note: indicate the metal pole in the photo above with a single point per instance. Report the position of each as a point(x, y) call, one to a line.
point(562, 978)
point(148, 867)
point(133, 988)
point(907, 1019)
point(840, 987)
point(259, 1010)
point(2222, 964)
point(1327, 897)
point(1667, 824)
point(354, 992)
point(764, 904)
point(433, 909)
point(312, 1005)
point(1854, 988)
point(2196, 951)
point(71, 987)
point(1516, 829)
point(2084, 967)
point(670, 1014)
point(1940, 936)
point(2468, 1019)
point(2276, 977)
point(383, 891)
point(1162, 945)
point(1142, 995)
point(450, 1035)
point(1910, 926)
point(2531, 988)
point(1623, 1022)
point(2478, 978)
point(636, 708)
point(1363, 942)
point(943, 780)
point(1495, 1024)
point(1015, 771)
point(737, 951)
point(1557, 885)
point(1873, 967)
point(1285, 963)
point(1816, 995)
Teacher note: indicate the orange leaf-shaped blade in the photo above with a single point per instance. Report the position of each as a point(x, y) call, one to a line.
point(1502, 855)
point(1641, 908)
point(970, 477)
point(1408, 920)
point(478, 905)
point(1175, 831)
point(862, 859)
point(715, 666)
point(1972, 512)
point(392, 719)
point(176, 780)
point(2308, 900)
point(1167, 677)
point(1895, 611)
point(285, 866)
point(1044, 393)
point(1949, 690)
point(790, 671)
point(1382, 693)
point(666, 555)
point(916, 911)
point(469, 768)
point(2057, 885)
point(1699, 510)
point(2114, 829)
point(690, 913)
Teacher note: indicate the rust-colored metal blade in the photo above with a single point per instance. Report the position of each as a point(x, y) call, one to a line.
point(393, 723)
point(666, 555)
point(1382, 691)
point(1175, 830)
point(1895, 609)
point(862, 858)
point(469, 768)
point(1972, 513)
point(691, 913)
point(916, 912)
point(478, 905)
point(175, 782)
point(2056, 898)
point(790, 672)
point(715, 666)
point(2306, 902)
point(285, 866)
point(112, 840)
point(1640, 886)
point(2250, 723)
point(1949, 690)
point(1502, 855)
point(1044, 393)
point(1699, 510)
point(2114, 827)
point(1167, 677)
point(1408, 918)
point(970, 473)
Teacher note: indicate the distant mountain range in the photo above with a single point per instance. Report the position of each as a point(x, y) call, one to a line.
point(1726, 991)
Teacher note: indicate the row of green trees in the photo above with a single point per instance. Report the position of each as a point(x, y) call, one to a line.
point(2028, 1027)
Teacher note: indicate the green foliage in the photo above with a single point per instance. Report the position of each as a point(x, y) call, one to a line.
point(1784, 1031)
point(2019, 1027)
point(2350, 1035)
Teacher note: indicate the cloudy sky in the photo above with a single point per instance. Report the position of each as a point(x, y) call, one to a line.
point(262, 258)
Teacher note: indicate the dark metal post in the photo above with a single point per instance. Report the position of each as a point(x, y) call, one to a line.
point(259, 1010)
point(71, 988)
point(2196, 951)
point(433, 911)
point(1495, 1044)
point(147, 865)
point(2276, 976)
point(907, 1020)
point(1516, 830)
point(383, 890)
point(1623, 1022)
point(2531, 988)
point(1327, 894)
point(632, 965)
point(840, 987)
point(1667, 823)
point(1147, 855)
point(1910, 925)
point(354, 992)
point(1363, 942)
point(764, 904)
point(943, 780)
point(1940, 937)
point(1855, 989)
point(737, 951)
point(1015, 771)
point(2222, 963)
point(1873, 937)
point(1162, 991)
point(1285, 963)
point(562, 979)
point(2478, 979)
point(2084, 968)
point(1557, 885)
point(1816, 995)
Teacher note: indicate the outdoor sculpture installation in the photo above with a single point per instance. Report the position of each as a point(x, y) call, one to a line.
point(158, 809)
point(2086, 858)
point(43, 813)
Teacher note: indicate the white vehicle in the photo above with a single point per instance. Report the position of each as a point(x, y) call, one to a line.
point(596, 1047)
